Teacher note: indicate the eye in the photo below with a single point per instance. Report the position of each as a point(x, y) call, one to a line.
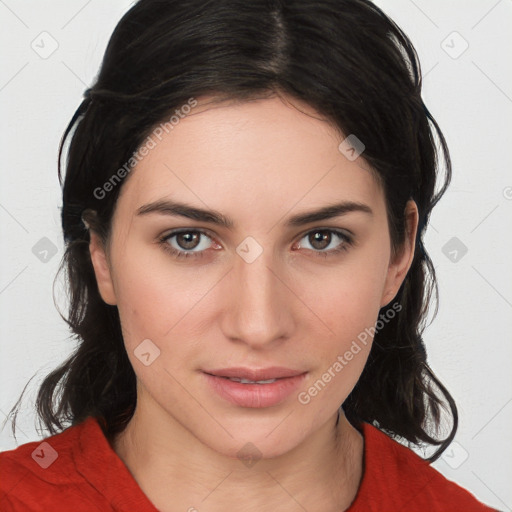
point(186, 243)
point(320, 239)
point(193, 243)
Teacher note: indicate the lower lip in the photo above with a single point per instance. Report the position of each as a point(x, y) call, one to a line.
point(255, 395)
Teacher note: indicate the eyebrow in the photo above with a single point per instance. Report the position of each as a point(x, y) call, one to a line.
point(175, 208)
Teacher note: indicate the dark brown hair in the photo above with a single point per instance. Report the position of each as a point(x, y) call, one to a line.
point(347, 60)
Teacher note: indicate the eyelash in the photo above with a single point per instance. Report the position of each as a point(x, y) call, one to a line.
point(346, 243)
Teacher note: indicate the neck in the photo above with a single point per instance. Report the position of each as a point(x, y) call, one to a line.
point(173, 466)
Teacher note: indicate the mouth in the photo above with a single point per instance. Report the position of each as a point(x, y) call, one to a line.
point(255, 388)
point(247, 381)
point(255, 375)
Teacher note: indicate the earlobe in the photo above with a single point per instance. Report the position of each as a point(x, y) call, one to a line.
point(102, 269)
point(401, 263)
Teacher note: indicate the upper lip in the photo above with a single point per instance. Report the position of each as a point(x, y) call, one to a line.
point(274, 372)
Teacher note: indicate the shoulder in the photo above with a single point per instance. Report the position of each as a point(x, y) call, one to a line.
point(35, 474)
point(396, 478)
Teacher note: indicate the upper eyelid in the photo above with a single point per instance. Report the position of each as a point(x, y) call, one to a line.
point(177, 231)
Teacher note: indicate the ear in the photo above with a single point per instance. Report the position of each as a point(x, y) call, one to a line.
point(102, 269)
point(402, 261)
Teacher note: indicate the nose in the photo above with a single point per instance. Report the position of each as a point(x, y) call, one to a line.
point(260, 306)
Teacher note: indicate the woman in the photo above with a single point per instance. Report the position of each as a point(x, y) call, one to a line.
point(246, 191)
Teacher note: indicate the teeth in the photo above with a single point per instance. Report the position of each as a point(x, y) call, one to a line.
point(247, 381)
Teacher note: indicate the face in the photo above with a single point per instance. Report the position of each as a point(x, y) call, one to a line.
point(265, 289)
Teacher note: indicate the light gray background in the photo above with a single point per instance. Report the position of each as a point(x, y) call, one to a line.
point(469, 92)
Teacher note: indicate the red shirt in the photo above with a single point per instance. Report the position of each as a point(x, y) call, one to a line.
point(78, 471)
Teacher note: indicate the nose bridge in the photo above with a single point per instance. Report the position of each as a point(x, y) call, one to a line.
point(259, 311)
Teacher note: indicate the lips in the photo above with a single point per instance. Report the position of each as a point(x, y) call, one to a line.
point(255, 375)
point(256, 388)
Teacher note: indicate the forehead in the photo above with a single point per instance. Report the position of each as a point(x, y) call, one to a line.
point(265, 154)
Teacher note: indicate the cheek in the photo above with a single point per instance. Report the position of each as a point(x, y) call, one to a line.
point(347, 296)
point(350, 309)
point(154, 295)
point(348, 304)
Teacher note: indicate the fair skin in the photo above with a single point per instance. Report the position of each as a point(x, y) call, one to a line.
point(258, 163)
